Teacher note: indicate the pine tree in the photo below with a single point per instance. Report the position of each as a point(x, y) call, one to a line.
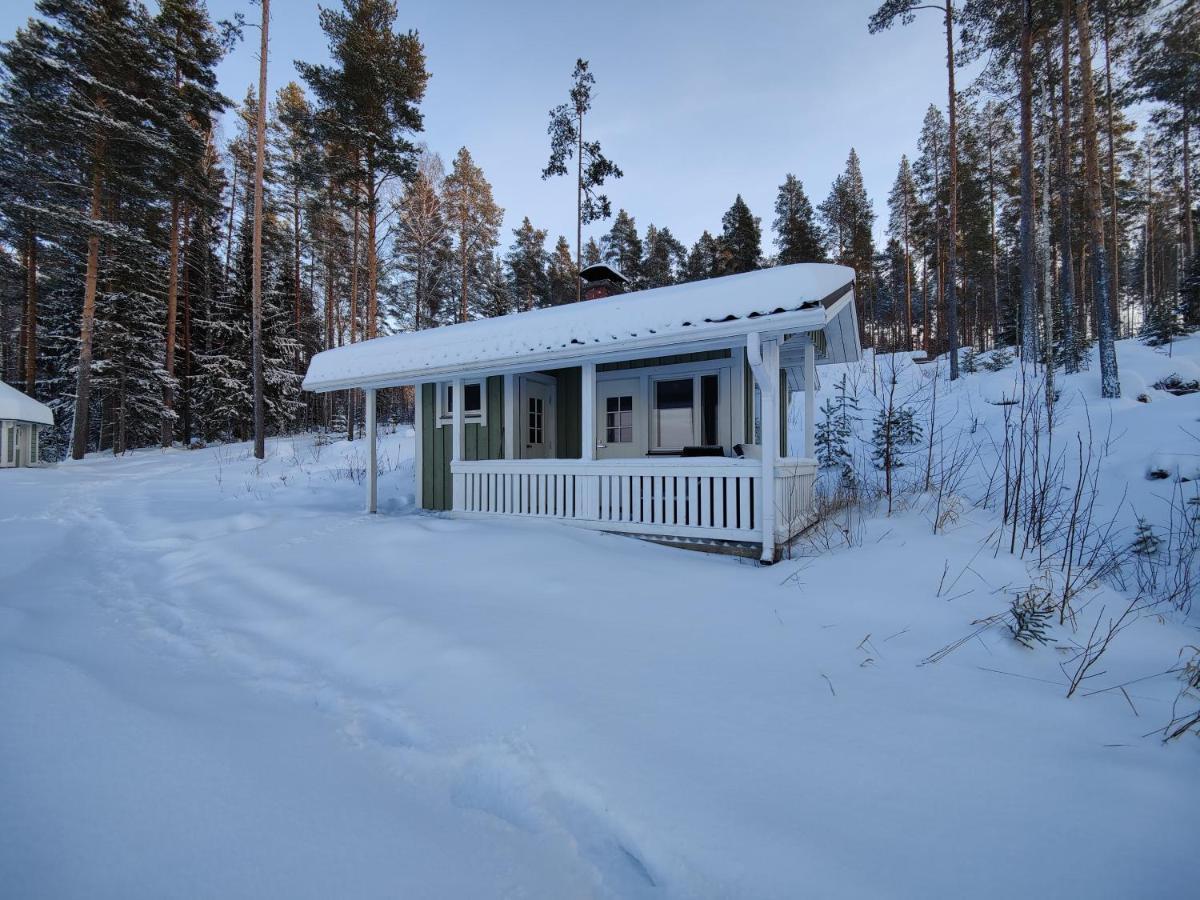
point(475, 220)
point(622, 248)
point(592, 167)
point(740, 244)
point(902, 209)
point(796, 232)
point(370, 97)
point(905, 11)
point(424, 250)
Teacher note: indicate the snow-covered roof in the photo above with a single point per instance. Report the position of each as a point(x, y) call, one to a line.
point(776, 301)
point(21, 407)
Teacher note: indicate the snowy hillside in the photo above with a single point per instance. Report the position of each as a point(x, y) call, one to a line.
point(219, 677)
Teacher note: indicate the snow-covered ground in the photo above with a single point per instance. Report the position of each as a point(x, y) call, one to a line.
point(221, 678)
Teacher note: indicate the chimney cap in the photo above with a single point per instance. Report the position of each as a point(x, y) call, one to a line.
point(602, 272)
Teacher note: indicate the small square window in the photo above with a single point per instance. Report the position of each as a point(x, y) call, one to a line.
point(475, 409)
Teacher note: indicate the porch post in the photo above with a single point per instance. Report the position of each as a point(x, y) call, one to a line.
point(419, 442)
point(509, 422)
point(458, 443)
point(810, 398)
point(588, 412)
point(372, 466)
point(764, 363)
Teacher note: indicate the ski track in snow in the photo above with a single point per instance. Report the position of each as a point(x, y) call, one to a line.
point(217, 679)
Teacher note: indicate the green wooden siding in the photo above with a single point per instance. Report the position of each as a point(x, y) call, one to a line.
point(482, 442)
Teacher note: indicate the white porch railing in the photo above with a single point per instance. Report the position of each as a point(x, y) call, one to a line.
point(694, 497)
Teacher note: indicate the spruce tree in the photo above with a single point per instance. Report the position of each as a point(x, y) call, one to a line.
point(561, 273)
point(703, 259)
point(664, 258)
point(527, 260)
point(622, 248)
point(740, 244)
point(902, 212)
point(796, 232)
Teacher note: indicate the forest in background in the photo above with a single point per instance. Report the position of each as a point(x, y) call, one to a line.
point(1048, 208)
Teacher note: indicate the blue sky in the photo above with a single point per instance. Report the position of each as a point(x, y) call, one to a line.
point(696, 101)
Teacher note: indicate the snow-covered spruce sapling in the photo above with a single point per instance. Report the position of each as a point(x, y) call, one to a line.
point(1031, 617)
point(1145, 541)
point(998, 359)
point(970, 361)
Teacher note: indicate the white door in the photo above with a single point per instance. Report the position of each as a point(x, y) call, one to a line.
point(536, 421)
point(620, 419)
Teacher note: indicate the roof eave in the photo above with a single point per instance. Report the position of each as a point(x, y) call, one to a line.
point(811, 317)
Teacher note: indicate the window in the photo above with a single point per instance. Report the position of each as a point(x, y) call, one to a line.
point(33, 443)
point(674, 416)
point(475, 409)
point(618, 420)
point(536, 421)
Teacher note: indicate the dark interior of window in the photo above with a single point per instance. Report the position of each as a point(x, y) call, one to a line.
point(709, 395)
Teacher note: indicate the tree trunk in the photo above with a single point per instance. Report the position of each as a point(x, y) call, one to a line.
point(1189, 236)
point(1110, 385)
point(87, 321)
point(353, 309)
point(992, 238)
point(31, 309)
point(1029, 340)
point(579, 214)
point(371, 325)
point(168, 419)
point(1112, 169)
point(229, 229)
point(296, 274)
point(260, 424)
point(1066, 276)
point(1047, 274)
point(952, 236)
point(186, 295)
point(908, 322)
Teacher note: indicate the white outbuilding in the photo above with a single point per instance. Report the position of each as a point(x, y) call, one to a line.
point(21, 420)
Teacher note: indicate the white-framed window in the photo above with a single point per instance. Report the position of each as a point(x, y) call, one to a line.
point(34, 443)
point(685, 410)
point(618, 419)
point(475, 408)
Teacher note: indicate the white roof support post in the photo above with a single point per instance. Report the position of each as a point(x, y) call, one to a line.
point(763, 356)
point(419, 442)
point(458, 442)
point(810, 398)
point(587, 416)
point(509, 422)
point(372, 454)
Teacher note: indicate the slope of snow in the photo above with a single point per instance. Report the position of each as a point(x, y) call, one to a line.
point(221, 678)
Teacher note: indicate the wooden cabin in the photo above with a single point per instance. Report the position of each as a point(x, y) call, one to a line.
point(659, 413)
point(21, 420)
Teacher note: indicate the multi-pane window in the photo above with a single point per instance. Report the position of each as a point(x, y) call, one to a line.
point(33, 443)
point(536, 421)
point(618, 420)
